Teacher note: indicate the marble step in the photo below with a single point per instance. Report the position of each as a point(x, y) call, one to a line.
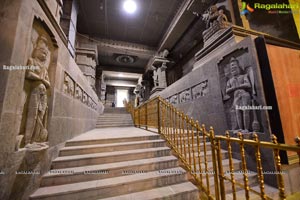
point(112, 186)
point(99, 148)
point(110, 140)
point(179, 191)
point(94, 172)
point(115, 120)
point(113, 125)
point(107, 157)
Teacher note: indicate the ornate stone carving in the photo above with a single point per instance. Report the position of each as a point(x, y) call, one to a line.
point(200, 90)
point(174, 99)
point(69, 85)
point(78, 92)
point(185, 96)
point(159, 67)
point(215, 20)
point(36, 120)
point(84, 98)
point(73, 89)
point(238, 85)
point(239, 93)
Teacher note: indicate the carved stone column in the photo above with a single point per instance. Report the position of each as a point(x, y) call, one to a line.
point(86, 59)
point(68, 22)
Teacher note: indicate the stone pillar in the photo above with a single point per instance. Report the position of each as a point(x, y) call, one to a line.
point(86, 59)
point(103, 89)
point(159, 66)
point(68, 22)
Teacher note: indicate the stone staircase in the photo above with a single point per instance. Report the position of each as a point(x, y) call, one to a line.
point(116, 164)
point(114, 117)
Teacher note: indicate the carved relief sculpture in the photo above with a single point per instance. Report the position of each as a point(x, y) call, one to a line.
point(185, 96)
point(36, 122)
point(174, 99)
point(200, 90)
point(69, 85)
point(239, 85)
point(78, 92)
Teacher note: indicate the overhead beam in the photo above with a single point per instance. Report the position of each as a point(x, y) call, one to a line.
point(122, 69)
point(179, 25)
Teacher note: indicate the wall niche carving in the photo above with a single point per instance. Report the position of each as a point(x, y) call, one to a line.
point(37, 86)
point(238, 84)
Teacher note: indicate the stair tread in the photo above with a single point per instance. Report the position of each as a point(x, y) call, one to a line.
point(103, 183)
point(161, 192)
point(110, 144)
point(105, 154)
point(106, 139)
point(107, 166)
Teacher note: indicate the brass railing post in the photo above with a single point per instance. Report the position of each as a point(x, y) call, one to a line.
point(158, 116)
point(139, 119)
point(146, 117)
point(278, 170)
point(214, 159)
point(220, 168)
point(259, 168)
point(244, 166)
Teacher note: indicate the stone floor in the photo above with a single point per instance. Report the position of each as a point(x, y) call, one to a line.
point(112, 132)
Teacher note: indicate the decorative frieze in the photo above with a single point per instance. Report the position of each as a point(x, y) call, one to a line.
point(195, 92)
point(74, 90)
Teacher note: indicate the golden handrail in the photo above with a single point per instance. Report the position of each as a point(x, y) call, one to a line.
point(196, 147)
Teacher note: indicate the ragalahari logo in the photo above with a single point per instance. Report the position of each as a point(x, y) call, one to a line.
point(246, 9)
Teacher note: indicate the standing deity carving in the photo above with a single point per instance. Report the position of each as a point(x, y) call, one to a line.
point(36, 122)
point(240, 85)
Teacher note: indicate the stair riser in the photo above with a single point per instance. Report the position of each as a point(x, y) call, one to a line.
point(119, 189)
point(114, 140)
point(109, 159)
point(66, 179)
point(237, 166)
point(111, 148)
point(228, 185)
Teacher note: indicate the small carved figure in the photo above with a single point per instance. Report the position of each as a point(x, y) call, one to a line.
point(78, 92)
point(239, 85)
point(164, 53)
point(36, 122)
point(155, 76)
point(211, 16)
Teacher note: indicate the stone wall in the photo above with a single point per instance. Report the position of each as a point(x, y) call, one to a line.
point(204, 94)
point(70, 105)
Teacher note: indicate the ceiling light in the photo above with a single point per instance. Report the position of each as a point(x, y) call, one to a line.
point(120, 75)
point(129, 6)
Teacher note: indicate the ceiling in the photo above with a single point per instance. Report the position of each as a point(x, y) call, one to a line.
point(106, 19)
point(127, 43)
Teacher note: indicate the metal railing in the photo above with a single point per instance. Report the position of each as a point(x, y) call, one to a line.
point(200, 150)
